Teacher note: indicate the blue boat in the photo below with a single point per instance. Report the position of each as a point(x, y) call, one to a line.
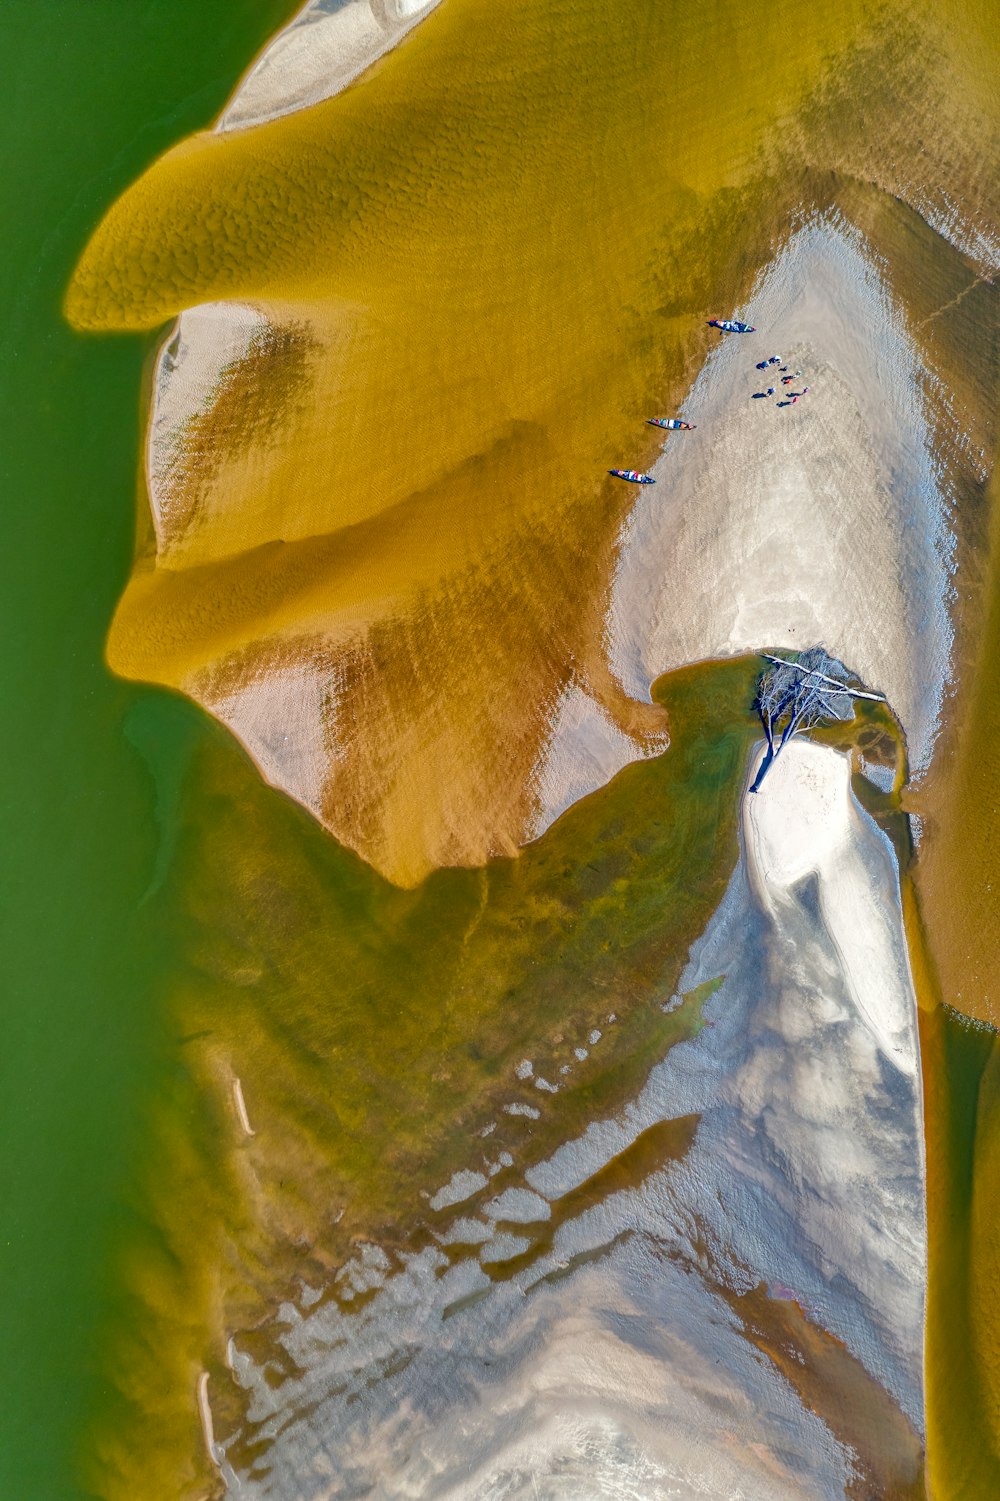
point(727, 326)
point(673, 423)
point(633, 476)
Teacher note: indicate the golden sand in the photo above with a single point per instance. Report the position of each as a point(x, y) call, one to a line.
point(483, 266)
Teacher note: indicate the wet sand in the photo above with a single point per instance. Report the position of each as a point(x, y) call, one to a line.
point(564, 1337)
point(322, 50)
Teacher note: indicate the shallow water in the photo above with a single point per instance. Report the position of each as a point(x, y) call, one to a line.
point(591, 1324)
point(91, 94)
point(485, 266)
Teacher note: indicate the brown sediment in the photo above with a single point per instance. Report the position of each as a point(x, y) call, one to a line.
point(258, 394)
point(889, 116)
point(887, 1453)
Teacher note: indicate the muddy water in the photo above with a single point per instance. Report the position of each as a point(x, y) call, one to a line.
point(483, 267)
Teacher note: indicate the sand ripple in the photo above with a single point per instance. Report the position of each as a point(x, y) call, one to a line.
point(741, 1318)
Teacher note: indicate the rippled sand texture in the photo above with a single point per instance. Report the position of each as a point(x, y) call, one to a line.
point(477, 281)
point(592, 1326)
point(322, 49)
point(380, 1039)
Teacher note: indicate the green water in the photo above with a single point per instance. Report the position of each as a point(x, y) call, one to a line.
point(91, 93)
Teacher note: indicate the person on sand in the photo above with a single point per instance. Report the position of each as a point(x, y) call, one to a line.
point(763, 364)
point(775, 359)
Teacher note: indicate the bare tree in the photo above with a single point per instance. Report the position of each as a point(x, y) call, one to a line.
point(794, 696)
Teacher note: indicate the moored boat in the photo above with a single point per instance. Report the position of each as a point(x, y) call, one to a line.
point(673, 423)
point(633, 476)
point(728, 326)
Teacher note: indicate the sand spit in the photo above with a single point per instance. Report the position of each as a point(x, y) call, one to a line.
point(818, 522)
point(821, 522)
point(613, 1355)
point(323, 49)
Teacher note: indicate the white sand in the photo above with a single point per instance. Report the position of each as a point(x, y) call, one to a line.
point(285, 716)
point(804, 823)
point(612, 1367)
point(327, 45)
point(205, 1416)
point(584, 750)
point(820, 522)
point(787, 527)
point(204, 343)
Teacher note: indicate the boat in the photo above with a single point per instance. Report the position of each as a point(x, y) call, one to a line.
point(633, 476)
point(673, 423)
point(727, 326)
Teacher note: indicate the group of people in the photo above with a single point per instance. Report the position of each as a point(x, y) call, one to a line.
point(788, 398)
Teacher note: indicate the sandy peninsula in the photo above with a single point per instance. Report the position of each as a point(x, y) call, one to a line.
point(823, 522)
